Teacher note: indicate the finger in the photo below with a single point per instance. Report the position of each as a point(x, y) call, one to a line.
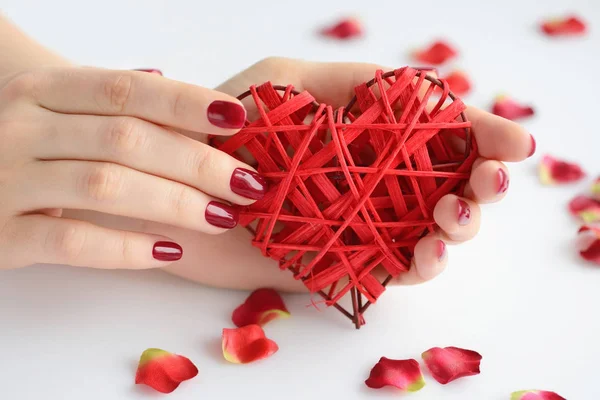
point(36, 238)
point(114, 189)
point(430, 258)
point(457, 217)
point(489, 181)
point(138, 144)
point(138, 94)
point(499, 138)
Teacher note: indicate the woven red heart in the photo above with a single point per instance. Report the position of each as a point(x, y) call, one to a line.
point(352, 190)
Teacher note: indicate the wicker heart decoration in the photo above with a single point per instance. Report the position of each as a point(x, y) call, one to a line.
point(353, 189)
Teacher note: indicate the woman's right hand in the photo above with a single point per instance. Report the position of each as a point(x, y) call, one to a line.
point(107, 141)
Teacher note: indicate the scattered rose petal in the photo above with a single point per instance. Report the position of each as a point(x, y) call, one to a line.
point(345, 29)
point(404, 374)
point(247, 344)
point(588, 243)
point(535, 395)
point(164, 371)
point(451, 363)
point(596, 189)
point(507, 108)
point(261, 307)
point(459, 83)
point(586, 208)
point(437, 53)
point(565, 26)
point(553, 171)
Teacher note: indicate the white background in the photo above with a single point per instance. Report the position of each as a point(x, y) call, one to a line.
point(518, 293)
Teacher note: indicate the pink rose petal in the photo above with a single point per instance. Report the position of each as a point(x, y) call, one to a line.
point(404, 374)
point(554, 171)
point(451, 363)
point(535, 395)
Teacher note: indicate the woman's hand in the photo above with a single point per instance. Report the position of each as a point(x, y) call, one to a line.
point(498, 140)
point(106, 141)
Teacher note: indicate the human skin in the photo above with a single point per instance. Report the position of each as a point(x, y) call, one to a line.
point(85, 142)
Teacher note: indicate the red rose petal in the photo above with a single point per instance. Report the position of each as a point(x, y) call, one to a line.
point(596, 189)
point(403, 374)
point(508, 108)
point(261, 307)
point(565, 26)
point(451, 363)
point(247, 344)
point(555, 171)
point(150, 71)
point(437, 53)
point(535, 395)
point(586, 208)
point(164, 371)
point(459, 83)
point(345, 29)
point(588, 243)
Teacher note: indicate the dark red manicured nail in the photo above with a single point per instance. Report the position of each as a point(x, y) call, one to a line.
point(464, 212)
point(502, 181)
point(221, 215)
point(150, 71)
point(167, 251)
point(248, 184)
point(441, 250)
point(533, 145)
point(225, 114)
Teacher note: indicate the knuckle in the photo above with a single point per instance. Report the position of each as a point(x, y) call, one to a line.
point(179, 105)
point(201, 161)
point(21, 85)
point(125, 136)
point(181, 199)
point(117, 91)
point(102, 183)
point(66, 242)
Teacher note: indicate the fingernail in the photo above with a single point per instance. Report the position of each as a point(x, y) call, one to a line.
point(533, 145)
point(150, 71)
point(221, 215)
point(225, 114)
point(502, 181)
point(464, 212)
point(248, 184)
point(167, 251)
point(441, 250)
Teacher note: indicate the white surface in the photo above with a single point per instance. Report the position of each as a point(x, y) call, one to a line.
point(517, 293)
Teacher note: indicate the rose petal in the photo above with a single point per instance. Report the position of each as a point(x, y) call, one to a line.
point(596, 189)
point(451, 363)
point(247, 344)
point(164, 371)
point(565, 26)
point(437, 53)
point(535, 395)
point(507, 108)
point(588, 243)
point(345, 29)
point(554, 171)
point(459, 83)
point(404, 374)
point(261, 307)
point(586, 208)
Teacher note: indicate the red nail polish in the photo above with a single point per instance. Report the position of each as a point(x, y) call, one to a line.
point(167, 251)
point(221, 215)
point(464, 212)
point(225, 114)
point(150, 71)
point(441, 250)
point(533, 145)
point(248, 184)
point(502, 181)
